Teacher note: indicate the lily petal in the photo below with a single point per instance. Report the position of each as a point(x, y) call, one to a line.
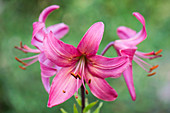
point(59, 30)
point(58, 52)
point(63, 87)
point(46, 83)
point(48, 68)
point(90, 42)
point(125, 32)
point(46, 12)
point(128, 76)
point(38, 34)
point(104, 67)
point(100, 88)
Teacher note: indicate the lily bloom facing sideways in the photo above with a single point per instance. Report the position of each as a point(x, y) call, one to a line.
point(129, 39)
point(82, 63)
point(48, 68)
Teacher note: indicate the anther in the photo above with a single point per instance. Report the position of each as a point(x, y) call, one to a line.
point(154, 67)
point(20, 61)
point(87, 91)
point(79, 76)
point(21, 44)
point(22, 67)
point(64, 91)
point(151, 74)
point(89, 81)
point(76, 97)
point(73, 75)
point(156, 53)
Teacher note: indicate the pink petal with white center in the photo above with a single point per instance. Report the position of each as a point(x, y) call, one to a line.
point(59, 30)
point(90, 42)
point(58, 52)
point(63, 87)
point(46, 83)
point(48, 68)
point(125, 32)
point(100, 88)
point(104, 67)
point(38, 34)
point(44, 14)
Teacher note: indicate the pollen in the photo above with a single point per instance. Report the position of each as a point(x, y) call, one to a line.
point(74, 75)
point(154, 67)
point(76, 97)
point(151, 74)
point(89, 81)
point(20, 61)
point(87, 91)
point(79, 76)
point(156, 53)
point(64, 91)
point(22, 67)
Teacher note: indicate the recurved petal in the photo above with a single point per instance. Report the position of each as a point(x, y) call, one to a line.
point(104, 67)
point(58, 52)
point(125, 32)
point(46, 83)
point(63, 87)
point(90, 42)
point(48, 68)
point(44, 14)
point(100, 88)
point(128, 76)
point(38, 34)
point(59, 30)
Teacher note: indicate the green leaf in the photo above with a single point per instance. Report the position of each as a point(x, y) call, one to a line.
point(62, 110)
point(98, 108)
point(89, 106)
point(75, 109)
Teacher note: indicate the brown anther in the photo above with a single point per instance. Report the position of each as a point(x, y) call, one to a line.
point(74, 75)
point(20, 61)
point(89, 81)
point(21, 45)
point(154, 67)
point(76, 97)
point(156, 53)
point(151, 74)
point(79, 76)
point(64, 91)
point(87, 92)
point(22, 67)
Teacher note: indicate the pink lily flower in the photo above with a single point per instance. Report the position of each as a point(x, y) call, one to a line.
point(82, 63)
point(48, 68)
point(129, 39)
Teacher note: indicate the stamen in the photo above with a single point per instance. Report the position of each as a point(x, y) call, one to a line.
point(74, 75)
point(151, 74)
point(79, 76)
point(64, 91)
point(16, 47)
point(87, 91)
point(21, 45)
point(76, 97)
point(156, 53)
point(89, 81)
point(20, 61)
point(154, 67)
point(22, 67)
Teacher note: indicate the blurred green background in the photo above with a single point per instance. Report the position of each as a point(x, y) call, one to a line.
point(22, 91)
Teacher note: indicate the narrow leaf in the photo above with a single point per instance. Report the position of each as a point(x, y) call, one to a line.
point(98, 108)
point(62, 110)
point(78, 99)
point(89, 106)
point(75, 109)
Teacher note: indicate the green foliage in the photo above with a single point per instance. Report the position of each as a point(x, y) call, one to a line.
point(88, 107)
point(97, 110)
point(62, 110)
point(75, 108)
